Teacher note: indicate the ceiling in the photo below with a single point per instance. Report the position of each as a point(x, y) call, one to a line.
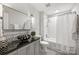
point(23, 7)
point(53, 7)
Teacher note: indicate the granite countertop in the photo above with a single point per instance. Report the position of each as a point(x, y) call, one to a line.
point(11, 49)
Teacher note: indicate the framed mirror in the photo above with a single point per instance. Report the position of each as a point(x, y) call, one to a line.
point(13, 19)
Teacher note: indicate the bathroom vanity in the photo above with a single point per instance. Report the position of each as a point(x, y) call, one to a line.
point(27, 49)
point(13, 46)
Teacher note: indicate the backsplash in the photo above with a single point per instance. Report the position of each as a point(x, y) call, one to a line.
point(11, 35)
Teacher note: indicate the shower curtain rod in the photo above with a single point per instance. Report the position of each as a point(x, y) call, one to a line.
point(62, 13)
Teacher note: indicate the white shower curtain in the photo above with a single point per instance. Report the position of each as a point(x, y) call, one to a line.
point(66, 26)
point(51, 29)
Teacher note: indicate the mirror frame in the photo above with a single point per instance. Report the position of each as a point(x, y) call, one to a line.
point(12, 29)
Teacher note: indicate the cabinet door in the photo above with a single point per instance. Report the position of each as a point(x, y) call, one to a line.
point(30, 49)
point(77, 47)
point(37, 48)
point(13, 53)
point(22, 51)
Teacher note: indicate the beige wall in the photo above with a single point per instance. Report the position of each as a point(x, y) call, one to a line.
point(1, 10)
point(36, 15)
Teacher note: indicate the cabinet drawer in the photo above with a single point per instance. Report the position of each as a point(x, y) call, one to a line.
point(37, 48)
point(22, 51)
point(31, 50)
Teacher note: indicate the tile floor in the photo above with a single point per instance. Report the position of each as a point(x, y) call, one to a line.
point(49, 52)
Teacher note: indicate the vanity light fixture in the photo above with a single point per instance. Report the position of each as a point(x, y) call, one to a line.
point(32, 20)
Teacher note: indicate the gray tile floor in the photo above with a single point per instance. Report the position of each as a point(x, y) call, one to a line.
point(49, 52)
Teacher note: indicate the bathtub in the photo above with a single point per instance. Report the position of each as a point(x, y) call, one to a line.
point(53, 40)
point(53, 45)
